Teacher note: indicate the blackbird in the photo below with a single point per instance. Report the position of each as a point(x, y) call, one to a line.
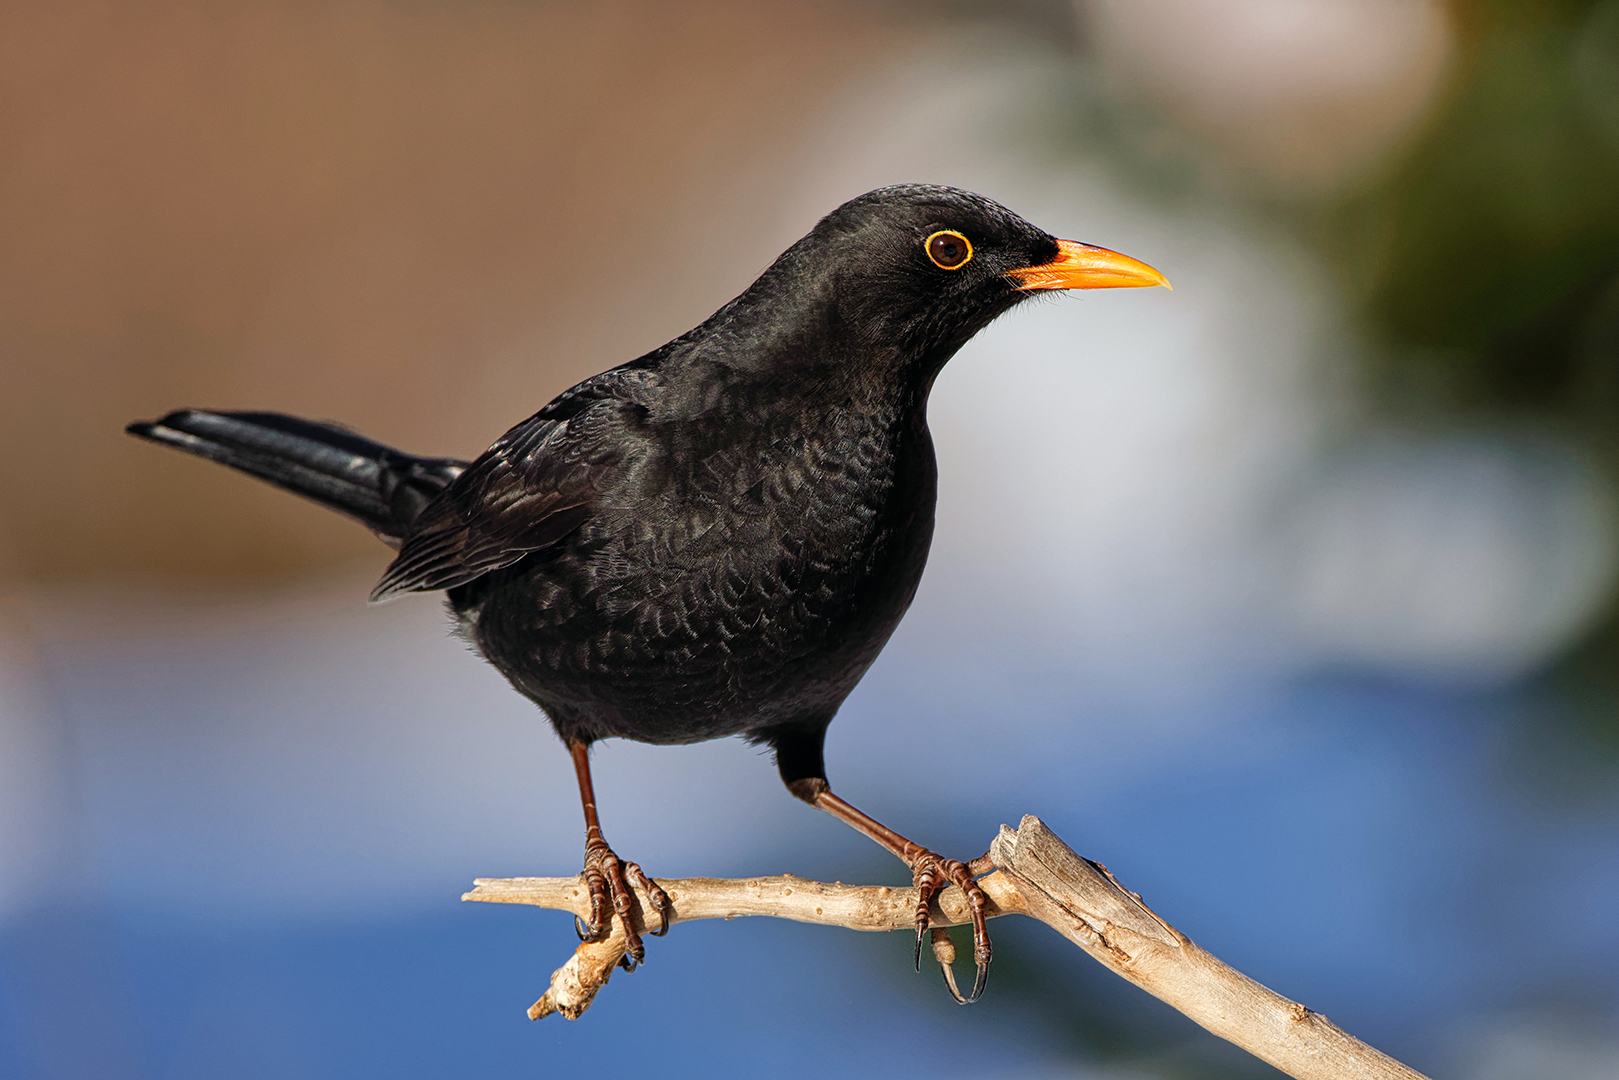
point(719, 537)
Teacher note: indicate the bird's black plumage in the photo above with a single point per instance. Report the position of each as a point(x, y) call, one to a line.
point(719, 537)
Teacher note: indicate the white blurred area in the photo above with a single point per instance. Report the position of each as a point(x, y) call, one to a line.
point(1309, 94)
point(1467, 559)
point(37, 838)
point(1147, 499)
point(1539, 1046)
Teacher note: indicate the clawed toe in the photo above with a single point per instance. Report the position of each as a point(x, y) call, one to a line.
point(931, 873)
point(608, 879)
point(944, 951)
point(659, 898)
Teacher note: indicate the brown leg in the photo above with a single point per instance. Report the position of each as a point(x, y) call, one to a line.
point(608, 877)
point(929, 871)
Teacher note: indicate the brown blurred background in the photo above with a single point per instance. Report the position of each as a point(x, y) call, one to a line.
point(419, 219)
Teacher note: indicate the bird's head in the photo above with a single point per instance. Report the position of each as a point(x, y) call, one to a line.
point(902, 277)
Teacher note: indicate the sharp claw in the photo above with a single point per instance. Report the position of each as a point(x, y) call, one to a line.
point(978, 984)
point(661, 904)
point(926, 886)
point(944, 951)
point(929, 870)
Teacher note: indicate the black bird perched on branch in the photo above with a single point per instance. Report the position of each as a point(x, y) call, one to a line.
point(717, 538)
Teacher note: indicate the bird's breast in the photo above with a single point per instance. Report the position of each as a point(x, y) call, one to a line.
point(746, 583)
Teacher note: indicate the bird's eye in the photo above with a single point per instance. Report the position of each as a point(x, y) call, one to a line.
point(949, 250)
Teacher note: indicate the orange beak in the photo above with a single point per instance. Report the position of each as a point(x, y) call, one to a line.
point(1081, 266)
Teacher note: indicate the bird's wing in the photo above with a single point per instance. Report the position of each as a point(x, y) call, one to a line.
point(538, 483)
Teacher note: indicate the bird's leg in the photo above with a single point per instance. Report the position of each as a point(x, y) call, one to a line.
point(800, 758)
point(608, 877)
point(929, 871)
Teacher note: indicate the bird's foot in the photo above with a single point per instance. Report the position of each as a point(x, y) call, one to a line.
point(608, 879)
point(930, 873)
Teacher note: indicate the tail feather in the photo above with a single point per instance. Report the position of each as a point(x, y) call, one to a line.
point(381, 487)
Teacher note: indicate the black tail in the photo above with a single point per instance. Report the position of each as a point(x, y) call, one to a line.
point(378, 486)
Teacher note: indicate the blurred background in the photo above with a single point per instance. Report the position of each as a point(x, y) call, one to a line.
point(1289, 595)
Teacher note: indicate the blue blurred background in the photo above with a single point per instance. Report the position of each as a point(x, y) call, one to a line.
point(1289, 595)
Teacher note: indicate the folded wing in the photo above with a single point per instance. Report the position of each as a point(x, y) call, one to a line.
point(535, 486)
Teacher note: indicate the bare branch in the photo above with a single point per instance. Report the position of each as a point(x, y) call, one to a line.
point(1037, 875)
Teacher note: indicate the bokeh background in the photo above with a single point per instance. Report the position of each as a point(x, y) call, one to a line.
point(1289, 595)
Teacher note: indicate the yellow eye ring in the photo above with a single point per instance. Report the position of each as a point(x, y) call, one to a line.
point(948, 249)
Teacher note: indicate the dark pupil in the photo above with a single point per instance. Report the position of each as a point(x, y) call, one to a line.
point(948, 250)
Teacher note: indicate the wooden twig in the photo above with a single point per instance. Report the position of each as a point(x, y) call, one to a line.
point(1036, 875)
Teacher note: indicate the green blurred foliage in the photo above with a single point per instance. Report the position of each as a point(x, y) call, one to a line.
point(1486, 262)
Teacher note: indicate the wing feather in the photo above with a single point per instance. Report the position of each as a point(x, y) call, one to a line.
point(530, 490)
